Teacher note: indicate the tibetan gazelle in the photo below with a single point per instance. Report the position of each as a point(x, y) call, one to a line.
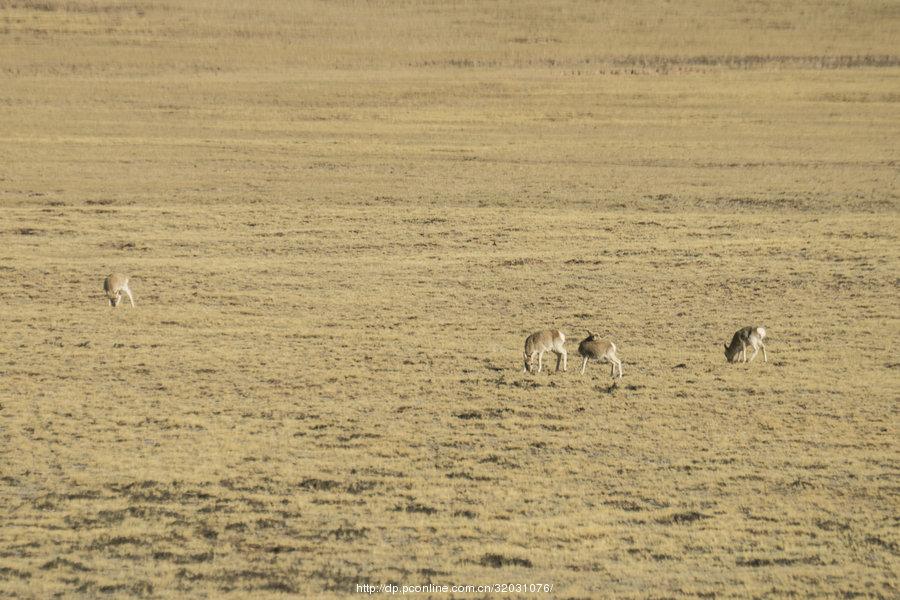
point(551, 340)
point(603, 350)
point(114, 285)
point(747, 336)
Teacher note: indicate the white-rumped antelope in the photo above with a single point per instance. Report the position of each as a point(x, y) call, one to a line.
point(600, 349)
point(114, 285)
point(746, 336)
point(551, 340)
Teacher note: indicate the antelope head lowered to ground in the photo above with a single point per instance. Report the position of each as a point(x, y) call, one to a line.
point(746, 336)
point(551, 340)
point(114, 285)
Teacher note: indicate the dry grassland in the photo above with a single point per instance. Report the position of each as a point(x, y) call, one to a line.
point(343, 218)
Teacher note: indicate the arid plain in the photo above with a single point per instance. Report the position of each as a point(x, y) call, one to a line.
point(343, 218)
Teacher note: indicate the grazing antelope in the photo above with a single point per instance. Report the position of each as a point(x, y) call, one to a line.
point(747, 336)
point(114, 285)
point(539, 342)
point(603, 350)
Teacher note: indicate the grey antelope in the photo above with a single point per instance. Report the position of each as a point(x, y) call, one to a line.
point(747, 336)
point(114, 285)
point(600, 349)
point(539, 342)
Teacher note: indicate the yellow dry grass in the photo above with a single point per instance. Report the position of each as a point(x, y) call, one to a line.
point(343, 218)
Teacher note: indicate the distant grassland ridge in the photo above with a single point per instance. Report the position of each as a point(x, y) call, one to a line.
point(83, 36)
point(662, 62)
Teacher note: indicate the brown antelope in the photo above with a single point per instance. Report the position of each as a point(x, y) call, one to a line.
point(746, 336)
point(539, 342)
point(600, 349)
point(114, 285)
